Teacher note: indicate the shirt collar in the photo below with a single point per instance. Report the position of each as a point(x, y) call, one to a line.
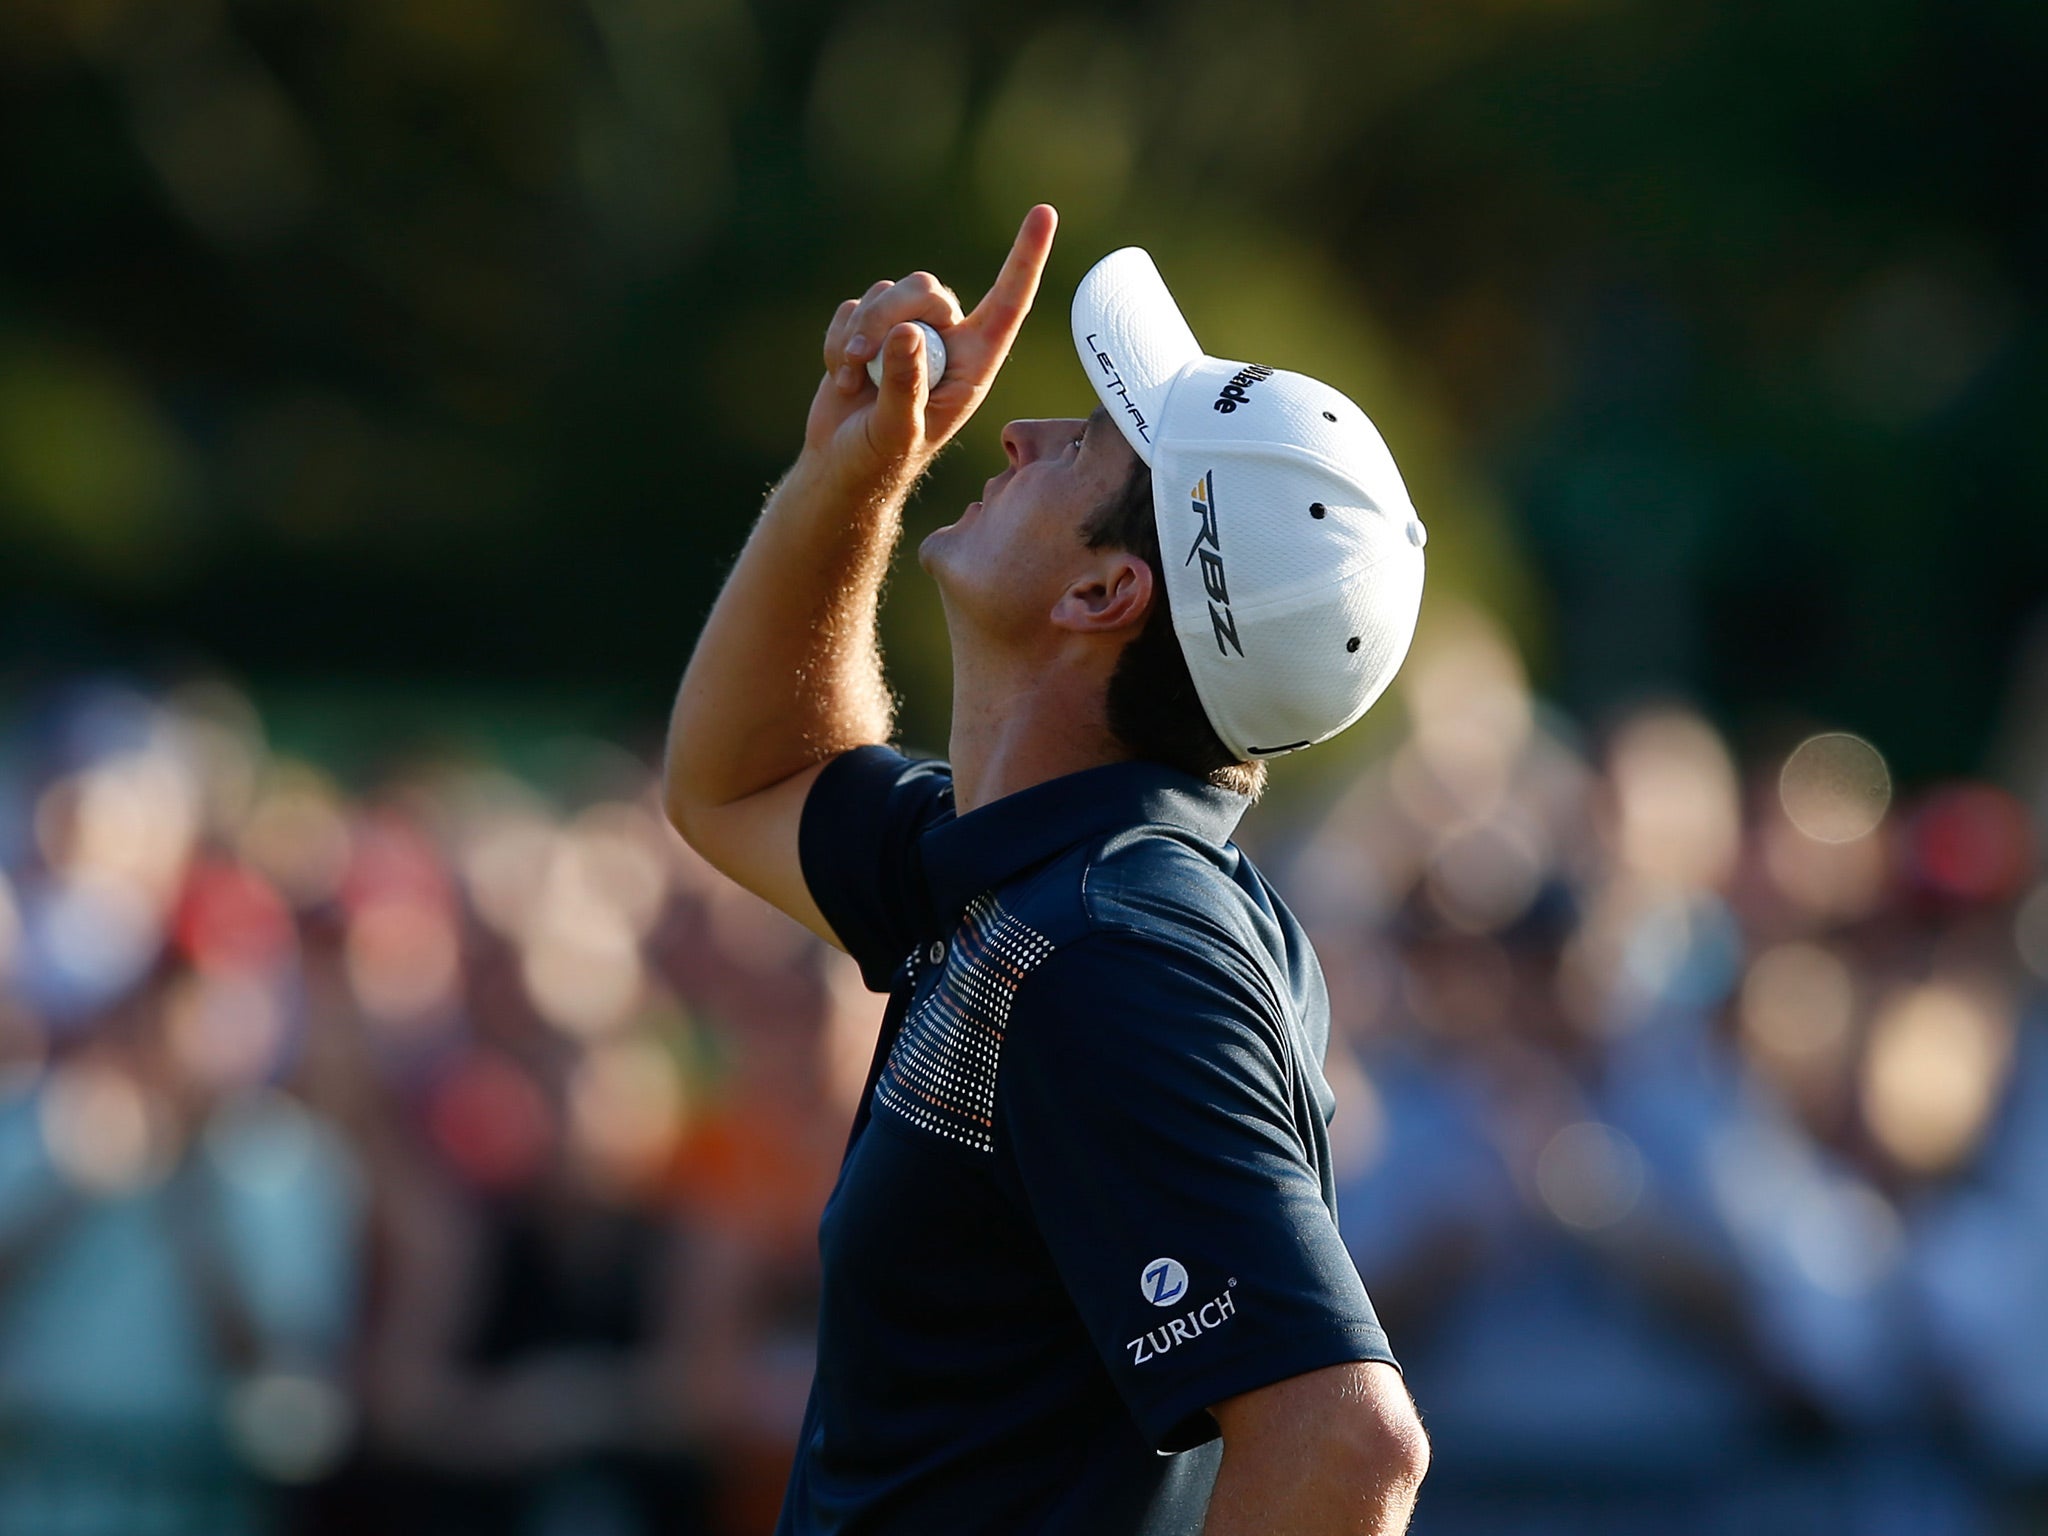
point(976, 852)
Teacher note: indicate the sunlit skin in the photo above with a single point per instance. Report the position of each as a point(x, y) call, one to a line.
point(1058, 471)
point(1037, 618)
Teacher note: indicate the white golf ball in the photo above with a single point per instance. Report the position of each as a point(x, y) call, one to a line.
point(934, 357)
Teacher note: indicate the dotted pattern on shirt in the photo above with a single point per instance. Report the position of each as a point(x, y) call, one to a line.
point(941, 1072)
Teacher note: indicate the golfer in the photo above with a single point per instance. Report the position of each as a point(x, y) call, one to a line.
point(1081, 1267)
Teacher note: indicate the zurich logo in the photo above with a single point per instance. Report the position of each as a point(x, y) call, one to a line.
point(1163, 1282)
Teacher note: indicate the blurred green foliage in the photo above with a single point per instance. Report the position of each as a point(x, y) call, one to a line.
point(455, 342)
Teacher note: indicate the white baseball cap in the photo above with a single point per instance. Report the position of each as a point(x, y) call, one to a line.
point(1292, 554)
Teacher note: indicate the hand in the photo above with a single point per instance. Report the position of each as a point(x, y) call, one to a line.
point(885, 437)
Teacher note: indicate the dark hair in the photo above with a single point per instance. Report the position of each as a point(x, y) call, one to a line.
point(1152, 705)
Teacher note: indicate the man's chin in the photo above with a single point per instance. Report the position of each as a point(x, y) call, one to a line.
point(931, 549)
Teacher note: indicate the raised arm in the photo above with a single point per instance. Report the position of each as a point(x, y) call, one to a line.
point(787, 673)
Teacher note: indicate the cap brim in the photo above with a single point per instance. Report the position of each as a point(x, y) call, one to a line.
point(1133, 342)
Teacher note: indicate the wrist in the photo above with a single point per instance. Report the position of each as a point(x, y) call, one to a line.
point(825, 475)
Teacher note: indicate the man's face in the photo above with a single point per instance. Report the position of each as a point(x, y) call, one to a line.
point(1004, 563)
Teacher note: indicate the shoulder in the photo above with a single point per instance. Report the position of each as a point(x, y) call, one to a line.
point(1145, 901)
point(1205, 907)
point(868, 779)
point(857, 838)
point(1148, 904)
point(1170, 947)
point(1150, 881)
point(1118, 1000)
point(1146, 1040)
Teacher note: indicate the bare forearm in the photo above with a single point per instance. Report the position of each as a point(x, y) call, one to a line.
point(788, 670)
point(1296, 1496)
point(1334, 1452)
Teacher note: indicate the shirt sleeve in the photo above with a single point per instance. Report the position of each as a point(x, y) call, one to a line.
point(858, 845)
point(1148, 1105)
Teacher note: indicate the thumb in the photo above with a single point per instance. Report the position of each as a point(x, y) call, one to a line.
point(899, 408)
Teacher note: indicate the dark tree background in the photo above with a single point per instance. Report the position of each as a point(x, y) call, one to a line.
point(437, 349)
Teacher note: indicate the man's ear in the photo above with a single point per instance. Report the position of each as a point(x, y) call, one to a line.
point(1115, 594)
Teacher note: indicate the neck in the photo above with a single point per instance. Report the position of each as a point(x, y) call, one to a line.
point(1015, 726)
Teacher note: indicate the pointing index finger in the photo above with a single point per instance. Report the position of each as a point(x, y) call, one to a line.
point(1001, 312)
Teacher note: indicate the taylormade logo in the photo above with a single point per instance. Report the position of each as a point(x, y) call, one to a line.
point(1208, 546)
point(1238, 391)
point(1114, 381)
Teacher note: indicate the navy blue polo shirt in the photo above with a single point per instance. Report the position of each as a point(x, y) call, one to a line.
point(1088, 1193)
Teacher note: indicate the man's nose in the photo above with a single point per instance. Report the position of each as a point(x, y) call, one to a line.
point(1020, 441)
point(1024, 441)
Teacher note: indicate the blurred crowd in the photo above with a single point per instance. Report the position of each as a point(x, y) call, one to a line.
point(442, 1153)
point(1693, 1117)
point(443, 1157)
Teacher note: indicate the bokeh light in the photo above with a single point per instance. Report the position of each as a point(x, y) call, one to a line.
point(1590, 1176)
point(1973, 843)
point(1846, 1237)
point(225, 1029)
point(1835, 787)
point(583, 971)
point(233, 919)
point(93, 935)
point(1675, 798)
point(1483, 879)
point(1797, 1006)
point(619, 851)
point(292, 1427)
point(626, 1109)
point(505, 863)
point(103, 1130)
point(490, 1119)
point(296, 834)
point(132, 817)
point(1828, 882)
point(1468, 697)
point(403, 958)
point(1935, 1067)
